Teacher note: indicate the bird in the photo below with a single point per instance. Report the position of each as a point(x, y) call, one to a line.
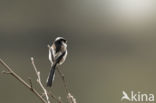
point(57, 56)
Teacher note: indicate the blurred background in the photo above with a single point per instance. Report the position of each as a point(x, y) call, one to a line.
point(111, 47)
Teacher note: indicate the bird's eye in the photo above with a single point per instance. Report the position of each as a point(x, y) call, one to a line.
point(65, 41)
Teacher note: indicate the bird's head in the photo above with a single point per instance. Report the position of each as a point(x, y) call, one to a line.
point(61, 41)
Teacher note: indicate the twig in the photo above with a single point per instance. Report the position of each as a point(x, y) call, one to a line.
point(39, 80)
point(54, 97)
point(60, 100)
point(11, 72)
point(30, 82)
point(63, 80)
point(5, 72)
point(70, 98)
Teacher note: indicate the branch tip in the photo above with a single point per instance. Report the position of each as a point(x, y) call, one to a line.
point(5, 72)
point(39, 81)
point(32, 59)
point(30, 81)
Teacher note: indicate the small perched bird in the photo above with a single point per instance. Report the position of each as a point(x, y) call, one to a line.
point(57, 56)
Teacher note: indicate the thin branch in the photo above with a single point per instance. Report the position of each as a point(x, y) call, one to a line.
point(11, 72)
point(60, 100)
point(63, 80)
point(30, 81)
point(5, 72)
point(39, 80)
point(54, 97)
point(70, 98)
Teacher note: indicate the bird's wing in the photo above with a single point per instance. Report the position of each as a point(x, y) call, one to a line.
point(60, 56)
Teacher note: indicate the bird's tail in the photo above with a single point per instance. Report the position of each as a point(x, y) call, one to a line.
point(51, 76)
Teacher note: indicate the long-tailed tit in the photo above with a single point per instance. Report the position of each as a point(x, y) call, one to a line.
point(57, 56)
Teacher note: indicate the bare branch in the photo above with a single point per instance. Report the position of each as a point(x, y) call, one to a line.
point(11, 72)
point(60, 100)
point(71, 98)
point(30, 82)
point(54, 97)
point(39, 80)
point(63, 80)
point(6, 72)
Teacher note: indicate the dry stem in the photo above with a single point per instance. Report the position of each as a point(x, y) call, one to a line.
point(11, 72)
point(63, 80)
point(39, 80)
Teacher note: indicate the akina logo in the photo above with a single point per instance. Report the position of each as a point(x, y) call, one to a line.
point(137, 96)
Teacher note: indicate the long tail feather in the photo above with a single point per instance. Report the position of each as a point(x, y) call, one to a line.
point(52, 71)
point(51, 76)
